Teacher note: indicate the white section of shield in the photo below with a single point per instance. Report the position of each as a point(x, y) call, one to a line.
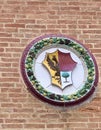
point(65, 80)
point(43, 76)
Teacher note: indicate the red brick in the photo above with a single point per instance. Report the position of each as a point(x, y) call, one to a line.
point(15, 65)
point(93, 125)
point(75, 3)
point(10, 74)
point(82, 26)
point(97, 45)
point(96, 50)
point(6, 84)
point(8, 69)
point(19, 100)
point(95, 120)
point(11, 125)
point(14, 60)
point(10, 90)
point(86, 21)
point(7, 15)
point(14, 49)
point(15, 25)
point(94, 26)
point(3, 44)
point(9, 80)
point(15, 121)
point(5, 35)
point(37, 126)
point(1, 121)
point(36, 2)
point(9, 40)
point(26, 21)
point(36, 26)
point(16, 94)
point(89, 45)
point(56, 26)
point(5, 55)
point(70, 8)
point(55, 125)
point(11, 105)
point(44, 21)
point(21, 22)
point(4, 115)
point(3, 99)
point(19, 116)
point(77, 125)
point(6, 20)
point(78, 120)
point(50, 116)
point(67, 21)
point(55, 31)
point(1, 49)
point(14, 2)
point(84, 129)
point(23, 110)
point(10, 30)
point(3, 95)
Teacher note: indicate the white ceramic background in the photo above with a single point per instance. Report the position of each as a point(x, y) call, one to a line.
point(43, 76)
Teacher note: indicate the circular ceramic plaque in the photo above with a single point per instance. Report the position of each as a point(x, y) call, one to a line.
point(59, 70)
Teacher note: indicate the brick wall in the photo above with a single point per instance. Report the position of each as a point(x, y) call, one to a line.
point(20, 22)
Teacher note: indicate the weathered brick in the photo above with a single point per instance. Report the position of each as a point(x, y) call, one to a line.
point(37, 126)
point(5, 35)
point(22, 21)
point(9, 80)
point(6, 20)
point(10, 90)
point(23, 110)
point(9, 40)
point(15, 121)
point(92, 125)
point(55, 125)
point(11, 126)
point(6, 84)
point(11, 105)
point(15, 25)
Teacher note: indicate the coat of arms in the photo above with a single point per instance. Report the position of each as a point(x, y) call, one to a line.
point(60, 66)
point(73, 72)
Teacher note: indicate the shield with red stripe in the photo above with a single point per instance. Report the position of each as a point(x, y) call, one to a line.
point(60, 66)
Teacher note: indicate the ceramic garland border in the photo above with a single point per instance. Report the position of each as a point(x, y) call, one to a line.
point(34, 86)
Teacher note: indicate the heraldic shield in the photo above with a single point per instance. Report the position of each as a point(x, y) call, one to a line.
point(60, 66)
